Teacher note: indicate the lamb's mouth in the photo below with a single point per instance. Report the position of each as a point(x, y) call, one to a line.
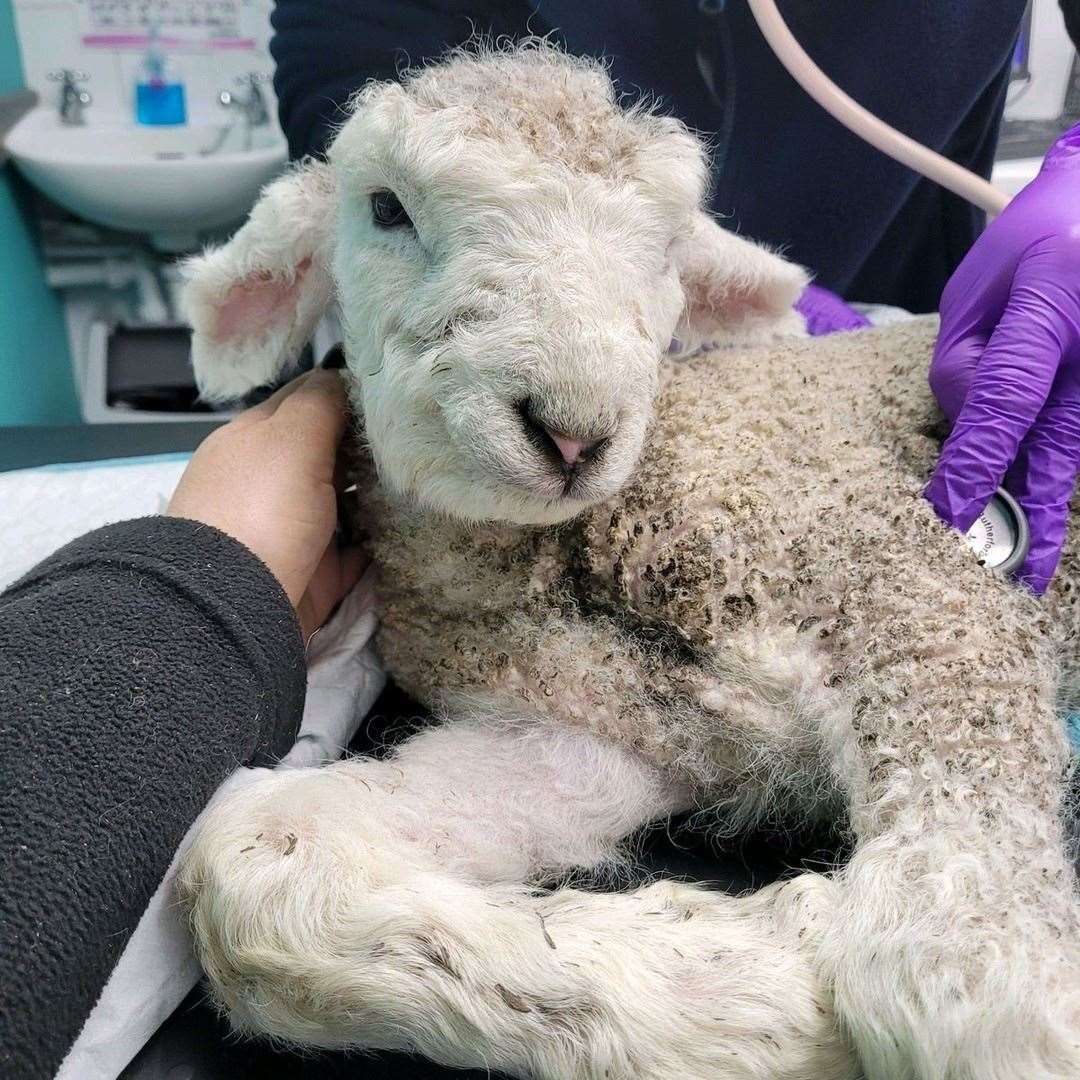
point(572, 492)
point(532, 477)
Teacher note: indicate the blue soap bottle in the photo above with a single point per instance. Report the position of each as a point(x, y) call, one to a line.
point(159, 89)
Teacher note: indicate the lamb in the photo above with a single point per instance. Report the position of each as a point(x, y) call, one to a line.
point(634, 578)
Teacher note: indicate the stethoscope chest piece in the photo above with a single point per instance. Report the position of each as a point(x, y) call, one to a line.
point(1000, 537)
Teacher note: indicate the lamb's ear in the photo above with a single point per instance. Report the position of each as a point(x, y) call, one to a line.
point(253, 302)
point(736, 291)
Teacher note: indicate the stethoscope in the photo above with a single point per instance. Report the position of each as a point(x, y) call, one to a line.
point(1000, 537)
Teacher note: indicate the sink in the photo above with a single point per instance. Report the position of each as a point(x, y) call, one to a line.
point(174, 183)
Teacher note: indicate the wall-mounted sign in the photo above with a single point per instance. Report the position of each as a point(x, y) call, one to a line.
point(177, 25)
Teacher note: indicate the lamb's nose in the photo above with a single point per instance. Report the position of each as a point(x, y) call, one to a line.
point(571, 450)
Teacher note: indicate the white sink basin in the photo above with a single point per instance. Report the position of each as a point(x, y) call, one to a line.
point(157, 180)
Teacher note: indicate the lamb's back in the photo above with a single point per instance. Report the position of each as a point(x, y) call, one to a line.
point(779, 492)
point(769, 474)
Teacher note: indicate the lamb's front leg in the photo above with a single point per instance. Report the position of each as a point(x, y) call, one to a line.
point(382, 905)
point(956, 953)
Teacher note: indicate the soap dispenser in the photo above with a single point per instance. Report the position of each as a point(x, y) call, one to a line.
point(159, 89)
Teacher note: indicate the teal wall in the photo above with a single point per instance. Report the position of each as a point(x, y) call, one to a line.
point(36, 385)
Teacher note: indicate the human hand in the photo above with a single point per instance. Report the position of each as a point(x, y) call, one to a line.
point(1006, 369)
point(827, 313)
point(267, 479)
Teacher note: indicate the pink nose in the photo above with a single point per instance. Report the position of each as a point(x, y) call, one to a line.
point(572, 450)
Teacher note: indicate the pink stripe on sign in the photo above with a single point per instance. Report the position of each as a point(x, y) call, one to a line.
point(141, 41)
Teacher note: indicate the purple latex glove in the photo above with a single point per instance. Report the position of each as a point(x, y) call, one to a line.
point(1006, 369)
point(826, 313)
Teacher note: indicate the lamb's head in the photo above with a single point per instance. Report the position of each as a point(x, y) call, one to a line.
point(512, 253)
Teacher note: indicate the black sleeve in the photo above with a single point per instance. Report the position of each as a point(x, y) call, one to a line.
point(325, 50)
point(139, 666)
point(1071, 11)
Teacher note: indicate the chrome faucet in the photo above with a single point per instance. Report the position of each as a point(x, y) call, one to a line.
point(252, 105)
point(73, 101)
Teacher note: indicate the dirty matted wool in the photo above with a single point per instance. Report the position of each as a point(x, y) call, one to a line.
point(771, 556)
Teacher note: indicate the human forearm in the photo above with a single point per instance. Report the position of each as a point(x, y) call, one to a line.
point(138, 667)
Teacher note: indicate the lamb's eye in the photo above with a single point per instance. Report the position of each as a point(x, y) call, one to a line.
point(387, 210)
